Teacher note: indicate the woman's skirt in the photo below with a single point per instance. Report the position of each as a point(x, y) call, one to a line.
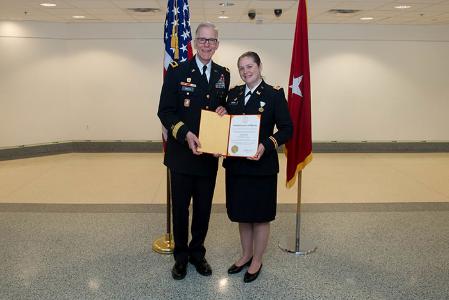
point(251, 199)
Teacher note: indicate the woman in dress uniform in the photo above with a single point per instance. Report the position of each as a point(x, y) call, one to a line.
point(251, 183)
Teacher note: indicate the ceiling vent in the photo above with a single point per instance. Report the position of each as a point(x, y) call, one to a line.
point(144, 10)
point(344, 11)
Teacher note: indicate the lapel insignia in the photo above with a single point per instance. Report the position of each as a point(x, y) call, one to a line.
point(258, 93)
point(220, 83)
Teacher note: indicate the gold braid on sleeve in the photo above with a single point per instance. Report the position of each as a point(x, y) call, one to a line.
point(175, 128)
point(274, 141)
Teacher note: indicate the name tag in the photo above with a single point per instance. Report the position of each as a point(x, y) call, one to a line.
point(233, 102)
point(187, 88)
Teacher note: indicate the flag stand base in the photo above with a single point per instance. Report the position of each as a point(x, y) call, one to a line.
point(164, 244)
point(295, 249)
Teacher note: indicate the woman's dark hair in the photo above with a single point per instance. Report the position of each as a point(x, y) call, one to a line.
point(251, 54)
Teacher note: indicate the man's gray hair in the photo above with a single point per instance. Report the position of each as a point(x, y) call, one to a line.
point(208, 25)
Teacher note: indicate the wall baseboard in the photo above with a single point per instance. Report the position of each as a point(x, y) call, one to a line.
point(221, 208)
point(156, 147)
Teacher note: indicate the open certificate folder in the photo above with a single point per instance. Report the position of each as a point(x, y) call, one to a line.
point(229, 135)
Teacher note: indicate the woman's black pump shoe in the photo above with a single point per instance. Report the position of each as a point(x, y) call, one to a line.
point(234, 269)
point(251, 277)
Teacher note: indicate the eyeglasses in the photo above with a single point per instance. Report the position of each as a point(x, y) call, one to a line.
point(203, 41)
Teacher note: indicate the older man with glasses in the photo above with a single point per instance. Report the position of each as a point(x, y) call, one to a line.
point(188, 88)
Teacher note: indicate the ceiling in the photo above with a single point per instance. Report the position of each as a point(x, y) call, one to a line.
point(421, 12)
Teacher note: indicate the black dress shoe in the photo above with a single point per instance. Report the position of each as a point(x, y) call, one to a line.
point(179, 270)
point(201, 266)
point(251, 277)
point(234, 269)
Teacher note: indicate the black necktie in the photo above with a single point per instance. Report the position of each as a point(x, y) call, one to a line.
point(204, 74)
point(247, 96)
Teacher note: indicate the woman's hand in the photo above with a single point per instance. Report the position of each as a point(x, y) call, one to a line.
point(221, 111)
point(259, 153)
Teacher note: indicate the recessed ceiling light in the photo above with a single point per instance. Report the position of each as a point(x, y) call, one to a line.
point(402, 6)
point(366, 18)
point(48, 4)
point(78, 17)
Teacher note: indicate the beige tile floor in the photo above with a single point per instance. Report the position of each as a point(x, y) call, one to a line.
point(140, 178)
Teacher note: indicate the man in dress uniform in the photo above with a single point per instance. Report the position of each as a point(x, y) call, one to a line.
point(188, 88)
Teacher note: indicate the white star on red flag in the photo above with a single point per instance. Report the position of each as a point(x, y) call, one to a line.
point(295, 86)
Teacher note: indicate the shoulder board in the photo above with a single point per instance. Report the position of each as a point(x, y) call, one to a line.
point(174, 64)
point(277, 87)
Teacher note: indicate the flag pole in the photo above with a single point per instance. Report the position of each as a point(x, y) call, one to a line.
point(177, 37)
point(297, 247)
point(165, 244)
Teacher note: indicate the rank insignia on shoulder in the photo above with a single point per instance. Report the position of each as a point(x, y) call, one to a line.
point(174, 64)
point(277, 87)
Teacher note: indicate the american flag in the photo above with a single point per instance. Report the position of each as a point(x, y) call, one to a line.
point(177, 39)
point(177, 33)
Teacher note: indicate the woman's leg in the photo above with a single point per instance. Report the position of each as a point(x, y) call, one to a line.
point(261, 232)
point(246, 239)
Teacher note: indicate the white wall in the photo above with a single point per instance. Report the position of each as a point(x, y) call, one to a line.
point(33, 86)
point(102, 81)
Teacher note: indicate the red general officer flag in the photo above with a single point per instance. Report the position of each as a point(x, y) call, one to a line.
point(299, 148)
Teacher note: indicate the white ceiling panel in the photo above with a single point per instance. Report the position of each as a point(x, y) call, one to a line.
point(92, 3)
point(422, 11)
point(137, 3)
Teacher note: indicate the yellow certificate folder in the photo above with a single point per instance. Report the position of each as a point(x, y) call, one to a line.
point(214, 132)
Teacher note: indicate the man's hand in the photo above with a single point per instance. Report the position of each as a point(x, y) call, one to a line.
point(193, 142)
point(259, 153)
point(221, 111)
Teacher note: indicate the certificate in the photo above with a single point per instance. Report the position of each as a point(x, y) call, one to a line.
point(229, 135)
point(244, 135)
